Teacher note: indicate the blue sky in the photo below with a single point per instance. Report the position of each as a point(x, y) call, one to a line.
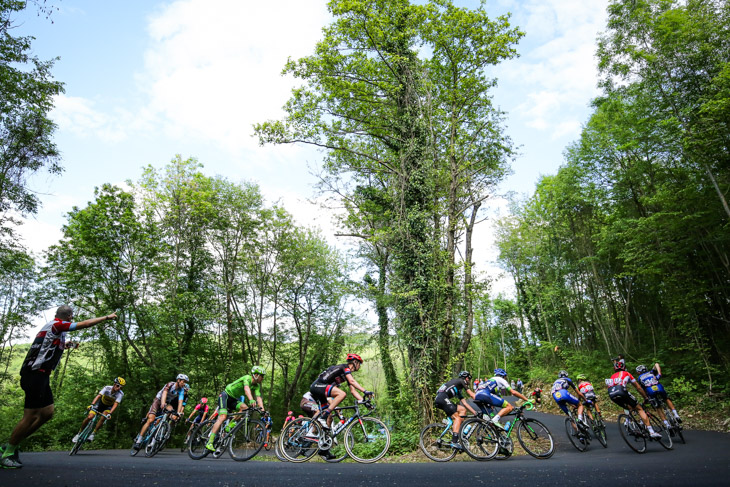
point(146, 80)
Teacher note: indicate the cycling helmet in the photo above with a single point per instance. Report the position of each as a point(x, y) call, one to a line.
point(203, 400)
point(500, 372)
point(581, 377)
point(563, 374)
point(641, 369)
point(354, 356)
point(618, 363)
point(464, 374)
point(182, 377)
point(257, 369)
point(120, 381)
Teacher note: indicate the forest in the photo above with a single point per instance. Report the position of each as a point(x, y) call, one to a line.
point(625, 250)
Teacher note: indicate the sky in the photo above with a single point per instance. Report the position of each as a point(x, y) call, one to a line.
point(146, 80)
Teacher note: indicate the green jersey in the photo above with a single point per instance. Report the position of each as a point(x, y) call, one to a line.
point(236, 388)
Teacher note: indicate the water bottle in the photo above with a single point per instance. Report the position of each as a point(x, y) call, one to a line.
point(467, 429)
point(506, 426)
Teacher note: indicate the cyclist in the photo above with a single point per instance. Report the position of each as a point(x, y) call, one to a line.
point(234, 397)
point(620, 395)
point(326, 385)
point(488, 393)
point(309, 405)
point(200, 412)
point(649, 380)
point(445, 393)
point(172, 397)
point(563, 397)
point(586, 388)
point(105, 403)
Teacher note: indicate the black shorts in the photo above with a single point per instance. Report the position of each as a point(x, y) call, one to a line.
point(37, 387)
point(321, 391)
point(443, 403)
point(621, 396)
point(226, 403)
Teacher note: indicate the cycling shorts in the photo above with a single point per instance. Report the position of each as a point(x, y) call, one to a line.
point(622, 397)
point(443, 403)
point(100, 407)
point(156, 408)
point(37, 389)
point(563, 397)
point(321, 391)
point(591, 397)
point(308, 407)
point(656, 390)
point(226, 402)
point(490, 399)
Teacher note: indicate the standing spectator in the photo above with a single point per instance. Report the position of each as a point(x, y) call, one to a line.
point(44, 354)
point(476, 383)
point(520, 385)
point(512, 384)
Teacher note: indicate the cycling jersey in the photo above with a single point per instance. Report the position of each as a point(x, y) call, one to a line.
point(453, 388)
point(561, 393)
point(174, 393)
point(488, 392)
point(620, 378)
point(238, 388)
point(201, 406)
point(109, 397)
point(562, 383)
point(586, 388)
point(617, 391)
point(337, 374)
point(47, 347)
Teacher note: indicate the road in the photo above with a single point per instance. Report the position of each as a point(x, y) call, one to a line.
point(703, 461)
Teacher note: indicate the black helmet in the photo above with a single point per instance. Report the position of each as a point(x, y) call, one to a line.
point(619, 363)
point(465, 374)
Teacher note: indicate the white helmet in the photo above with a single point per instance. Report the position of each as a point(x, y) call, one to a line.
point(183, 377)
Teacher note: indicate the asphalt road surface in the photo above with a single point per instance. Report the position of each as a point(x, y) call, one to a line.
point(703, 461)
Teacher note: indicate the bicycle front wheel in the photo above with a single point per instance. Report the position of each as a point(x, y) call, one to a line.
point(631, 433)
point(198, 440)
point(599, 429)
point(82, 438)
point(158, 440)
point(574, 435)
point(665, 440)
point(367, 440)
point(246, 440)
point(299, 441)
point(435, 442)
point(535, 438)
point(478, 439)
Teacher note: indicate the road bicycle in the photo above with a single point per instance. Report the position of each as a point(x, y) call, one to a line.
point(482, 439)
point(595, 422)
point(435, 441)
point(366, 439)
point(579, 432)
point(84, 435)
point(156, 436)
point(675, 427)
point(635, 433)
point(240, 434)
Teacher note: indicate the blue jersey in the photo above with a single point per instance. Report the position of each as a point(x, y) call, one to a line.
point(650, 382)
point(562, 383)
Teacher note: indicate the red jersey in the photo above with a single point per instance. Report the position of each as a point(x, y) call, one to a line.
point(620, 378)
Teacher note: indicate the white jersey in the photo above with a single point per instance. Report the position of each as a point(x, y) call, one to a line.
point(109, 397)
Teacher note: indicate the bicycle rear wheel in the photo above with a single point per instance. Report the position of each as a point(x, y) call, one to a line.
point(367, 440)
point(246, 440)
point(631, 433)
point(82, 438)
point(599, 429)
point(299, 441)
point(435, 442)
point(198, 440)
point(665, 440)
point(158, 440)
point(478, 439)
point(675, 426)
point(535, 438)
point(574, 435)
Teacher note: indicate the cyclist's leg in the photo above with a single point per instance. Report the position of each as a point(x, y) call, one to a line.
point(101, 421)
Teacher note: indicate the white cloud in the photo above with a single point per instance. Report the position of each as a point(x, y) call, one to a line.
point(210, 73)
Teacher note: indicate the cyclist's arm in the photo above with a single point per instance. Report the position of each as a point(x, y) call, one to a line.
point(354, 387)
point(249, 395)
point(658, 368)
point(181, 402)
point(94, 321)
point(641, 390)
point(520, 395)
point(98, 396)
point(163, 398)
point(193, 413)
point(466, 404)
point(114, 407)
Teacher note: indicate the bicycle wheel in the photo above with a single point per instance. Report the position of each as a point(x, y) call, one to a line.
point(198, 440)
point(187, 440)
point(631, 433)
point(299, 441)
point(338, 450)
point(82, 437)
point(435, 442)
point(367, 440)
point(506, 445)
point(658, 425)
point(599, 430)
point(535, 438)
point(574, 435)
point(247, 439)
point(478, 439)
point(157, 441)
point(675, 426)
point(277, 451)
